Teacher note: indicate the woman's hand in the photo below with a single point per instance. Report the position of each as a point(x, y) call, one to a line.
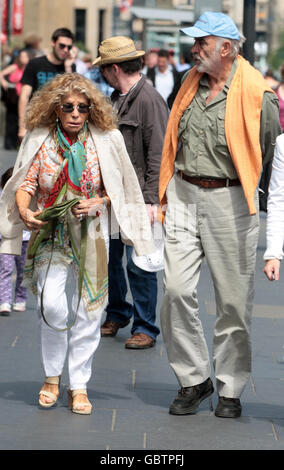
point(88, 207)
point(5, 84)
point(272, 269)
point(29, 218)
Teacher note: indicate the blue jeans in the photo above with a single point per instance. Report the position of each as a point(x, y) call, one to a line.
point(143, 286)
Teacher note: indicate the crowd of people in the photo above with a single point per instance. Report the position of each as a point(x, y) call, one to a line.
point(158, 66)
point(109, 148)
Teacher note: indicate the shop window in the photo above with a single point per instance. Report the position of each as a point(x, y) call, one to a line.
point(80, 25)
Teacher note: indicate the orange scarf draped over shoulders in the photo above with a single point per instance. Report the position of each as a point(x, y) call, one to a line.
point(242, 127)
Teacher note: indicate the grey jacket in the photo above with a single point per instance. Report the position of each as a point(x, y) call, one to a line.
point(143, 118)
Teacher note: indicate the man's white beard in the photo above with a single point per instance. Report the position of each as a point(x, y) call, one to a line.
point(208, 65)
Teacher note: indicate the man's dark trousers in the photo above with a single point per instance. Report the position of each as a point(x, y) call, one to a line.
point(143, 286)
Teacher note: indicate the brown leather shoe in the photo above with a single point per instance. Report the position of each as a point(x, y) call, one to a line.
point(110, 328)
point(140, 341)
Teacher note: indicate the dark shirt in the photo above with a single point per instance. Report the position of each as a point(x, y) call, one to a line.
point(39, 71)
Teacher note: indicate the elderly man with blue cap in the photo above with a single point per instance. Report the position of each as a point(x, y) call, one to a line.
point(221, 131)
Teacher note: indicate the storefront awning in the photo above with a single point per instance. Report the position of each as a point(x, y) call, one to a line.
point(166, 14)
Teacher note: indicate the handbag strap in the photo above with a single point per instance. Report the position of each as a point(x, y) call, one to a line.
point(82, 260)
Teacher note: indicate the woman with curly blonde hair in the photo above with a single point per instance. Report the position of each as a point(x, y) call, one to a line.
point(72, 168)
point(101, 113)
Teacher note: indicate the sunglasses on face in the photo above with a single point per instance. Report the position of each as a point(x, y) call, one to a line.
point(63, 46)
point(69, 107)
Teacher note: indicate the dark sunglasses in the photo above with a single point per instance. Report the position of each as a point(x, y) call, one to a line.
point(69, 107)
point(63, 46)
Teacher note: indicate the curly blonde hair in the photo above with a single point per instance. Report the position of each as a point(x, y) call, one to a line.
point(41, 111)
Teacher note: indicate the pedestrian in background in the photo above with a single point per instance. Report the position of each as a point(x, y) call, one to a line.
point(222, 129)
point(275, 214)
point(87, 59)
point(142, 119)
point(98, 80)
point(267, 169)
point(32, 45)
point(73, 153)
point(164, 77)
point(280, 95)
point(270, 79)
point(184, 62)
point(150, 60)
point(10, 78)
point(81, 67)
point(42, 69)
point(7, 265)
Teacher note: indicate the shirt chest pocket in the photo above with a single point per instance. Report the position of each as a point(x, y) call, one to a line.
point(130, 130)
point(221, 122)
point(220, 129)
point(185, 123)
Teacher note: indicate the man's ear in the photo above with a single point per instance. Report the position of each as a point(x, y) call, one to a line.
point(115, 68)
point(226, 48)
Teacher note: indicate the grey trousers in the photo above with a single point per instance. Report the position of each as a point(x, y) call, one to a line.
point(215, 224)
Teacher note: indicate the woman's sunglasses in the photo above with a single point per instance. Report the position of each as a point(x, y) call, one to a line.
point(63, 46)
point(69, 107)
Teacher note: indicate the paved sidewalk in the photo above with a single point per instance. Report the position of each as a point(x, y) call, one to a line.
point(7, 157)
point(132, 390)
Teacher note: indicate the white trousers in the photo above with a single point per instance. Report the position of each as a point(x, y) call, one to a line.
point(82, 340)
point(215, 224)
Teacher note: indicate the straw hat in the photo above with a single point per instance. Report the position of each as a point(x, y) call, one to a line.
point(117, 49)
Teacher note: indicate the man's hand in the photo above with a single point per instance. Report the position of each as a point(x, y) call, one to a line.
point(69, 61)
point(272, 269)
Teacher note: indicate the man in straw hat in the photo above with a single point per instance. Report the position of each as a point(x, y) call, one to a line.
point(143, 116)
point(222, 128)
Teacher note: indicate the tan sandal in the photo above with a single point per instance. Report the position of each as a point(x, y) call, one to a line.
point(46, 393)
point(80, 406)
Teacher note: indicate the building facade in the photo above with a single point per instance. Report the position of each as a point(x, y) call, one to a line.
point(269, 22)
point(151, 23)
point(91, 21)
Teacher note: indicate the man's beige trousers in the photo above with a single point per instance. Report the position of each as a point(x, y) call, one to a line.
point(215, 224)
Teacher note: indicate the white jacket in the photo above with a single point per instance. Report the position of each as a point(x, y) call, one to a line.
point(127, 204)
point(275, 205)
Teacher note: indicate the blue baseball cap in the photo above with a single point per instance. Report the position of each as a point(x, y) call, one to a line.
point(213, 23)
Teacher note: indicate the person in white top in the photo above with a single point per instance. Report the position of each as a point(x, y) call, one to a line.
point(164, 77)
point(275, 214)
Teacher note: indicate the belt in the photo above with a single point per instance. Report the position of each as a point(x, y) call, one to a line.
point(209, 183)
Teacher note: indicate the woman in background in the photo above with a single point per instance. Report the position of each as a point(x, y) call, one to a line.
point(10, 78)
point(7, 265)
point(280, 94)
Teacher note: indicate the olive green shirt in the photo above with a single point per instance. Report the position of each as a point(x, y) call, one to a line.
point(202, 149)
